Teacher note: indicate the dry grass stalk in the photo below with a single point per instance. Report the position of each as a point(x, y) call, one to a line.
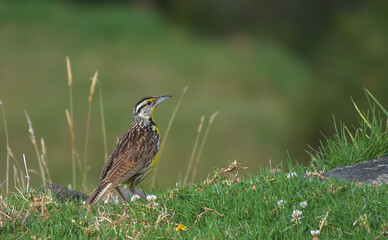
point(232, 167)
point(22, 180)
point(92, 88)
point(323, 222)
point(12, 155)
point(69, 75)
point(275, 169)
point(73, 152)
point(2, 185)
point(16, 180)
point(27, 175)
point(103, 121)
point(25, 218)
point(44, 160)
point(194, 149)
point(3, 216)
point(7, 176)
point(168, 130)
point(7, 142)
point(316, 173)
point(70, 117)
point(162, 217)
point(202, 144)
point(204, 212)
point(33, 140)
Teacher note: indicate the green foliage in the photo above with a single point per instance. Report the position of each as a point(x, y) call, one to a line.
point(273, 87)
point(221, 207)
point(370, 139)
point(138, 52)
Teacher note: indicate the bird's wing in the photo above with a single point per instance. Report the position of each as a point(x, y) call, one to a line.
point(129, 156)
point(108, 164)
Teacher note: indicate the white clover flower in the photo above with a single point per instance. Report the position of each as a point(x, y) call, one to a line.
point(303, 204)
point(296, 213)
point(151, 198)
point(134, 198)
point(296, 216)
point(291, 174)
point(281, 202)
point(315, 233)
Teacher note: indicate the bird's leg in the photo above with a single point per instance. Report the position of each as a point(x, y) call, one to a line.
point(133, 191)
point(121, 194)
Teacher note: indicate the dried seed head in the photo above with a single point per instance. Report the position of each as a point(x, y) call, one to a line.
point(30, 129)
point(43, 146)
point(70, 77)
point(201, 124)
point(93, 86)
point(212, 117)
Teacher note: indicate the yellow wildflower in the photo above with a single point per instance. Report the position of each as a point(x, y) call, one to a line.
point(180, 227)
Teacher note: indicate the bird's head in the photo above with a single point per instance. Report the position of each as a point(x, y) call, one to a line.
point(145, 108)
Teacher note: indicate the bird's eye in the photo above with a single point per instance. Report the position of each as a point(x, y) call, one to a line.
point(148, 103)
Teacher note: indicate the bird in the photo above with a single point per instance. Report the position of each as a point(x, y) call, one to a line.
point(135, 155)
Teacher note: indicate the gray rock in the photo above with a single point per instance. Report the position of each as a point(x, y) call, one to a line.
point(62, 193)
point(373, 171)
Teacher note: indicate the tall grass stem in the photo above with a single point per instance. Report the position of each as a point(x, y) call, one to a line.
point(168, 130)
point(92, 88)
point(202, 144)
point(70, 117)
point(33, 140)
point(7, 175)
point(194, 150)
point(44, 160)
point(7, 142)
point(103, 121)
point(27, 175)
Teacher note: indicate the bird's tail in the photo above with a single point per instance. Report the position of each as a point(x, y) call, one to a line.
point(97, 194)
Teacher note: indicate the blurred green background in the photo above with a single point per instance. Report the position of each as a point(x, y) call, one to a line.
point(276, 71)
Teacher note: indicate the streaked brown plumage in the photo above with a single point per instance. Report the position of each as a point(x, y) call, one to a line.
point(135, 155)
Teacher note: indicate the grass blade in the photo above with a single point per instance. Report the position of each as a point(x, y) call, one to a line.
point(360, 113)
point(385, 111)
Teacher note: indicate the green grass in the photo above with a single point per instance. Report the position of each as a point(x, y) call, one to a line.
point(223, 208)
point(368, 140)
point(258, 206)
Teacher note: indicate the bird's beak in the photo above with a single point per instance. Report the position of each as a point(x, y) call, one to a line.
point(162, 98)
